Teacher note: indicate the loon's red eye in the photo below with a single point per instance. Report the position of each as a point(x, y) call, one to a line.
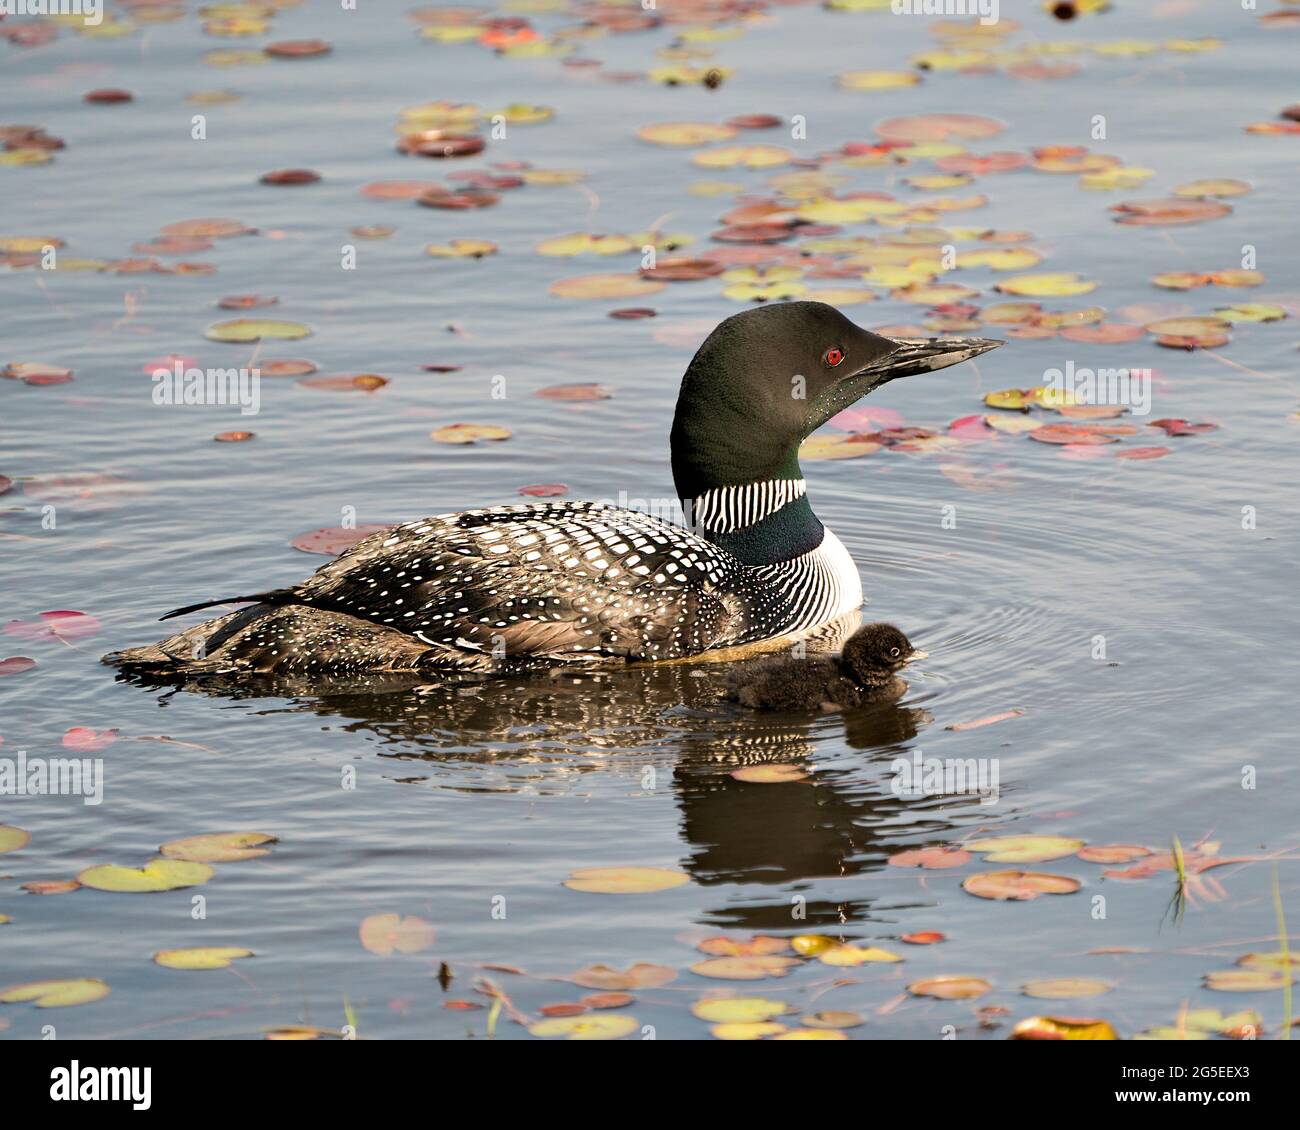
point(832, 357)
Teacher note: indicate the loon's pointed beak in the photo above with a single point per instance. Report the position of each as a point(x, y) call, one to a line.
point(916, 654)
point(924, 355)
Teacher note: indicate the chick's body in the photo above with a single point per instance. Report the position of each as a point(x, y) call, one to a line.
point(866, 672)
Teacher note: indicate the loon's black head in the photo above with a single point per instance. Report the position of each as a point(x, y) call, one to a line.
point(875, 653)
point(767, 378)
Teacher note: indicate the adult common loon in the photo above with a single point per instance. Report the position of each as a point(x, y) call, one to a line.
point(511, 588)
point(865, 672)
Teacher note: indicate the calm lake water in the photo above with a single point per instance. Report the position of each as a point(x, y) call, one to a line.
point(1140, 612)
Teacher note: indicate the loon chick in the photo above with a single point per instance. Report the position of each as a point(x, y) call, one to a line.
point(866, 671)
point(512, 588)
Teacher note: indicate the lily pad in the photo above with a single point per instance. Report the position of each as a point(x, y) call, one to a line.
point(156, 875)
point(387, 934)
point(55, 994)
point(625, 880)
point(243, 330)
point(219, 847)
point(201, 957)
point(1025, 849)
point(1018, 884)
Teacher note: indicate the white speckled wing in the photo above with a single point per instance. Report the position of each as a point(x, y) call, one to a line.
point(540, 583)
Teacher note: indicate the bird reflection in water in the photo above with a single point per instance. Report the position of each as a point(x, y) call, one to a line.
point(768, 839)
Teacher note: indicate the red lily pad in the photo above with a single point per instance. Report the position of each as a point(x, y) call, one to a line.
point(543, 490)
point(290, 177)
point(59, 624)
point(1169, 212)
point(16, 665)
point(333, 540)
point(107, 97)
point(298, 48)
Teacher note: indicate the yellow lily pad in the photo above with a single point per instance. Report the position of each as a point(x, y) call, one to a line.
point(1062, 1028)
point(156, 875)
point(625, 880)
point(55, 994)
point(256, 329)
point(746, 156)
point(832, 1018)
point(201, 957)
point(812, 945)
point(1251, 312)
point(469, 433)
point(848, 954)
point(835, 447)
point(747, 1029)
point(588, 1026)
point(878, 80)
point(461, 249)
point(12, 838)
point(811, 1034)
point(738, 1010)
point(685, 133)
point(1053, 285)
point(1025, 849)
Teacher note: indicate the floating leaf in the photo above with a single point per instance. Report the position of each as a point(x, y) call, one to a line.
point(56, 994)
point(987, 720)
point(156, 875)
point(333, 540)
point(824, 446)
point(1248, 980)
point(387, 934)
point(812, 945)
point(219, 847)
point(461, 249)
point(1058, 285)
point(878, 80)
point(625, 880)
point(685, 133)
point(950, 988)
point(739, 947)
point(747, 1030)
point(642, 975)
point(606, 286)
point(1018, 885)
point(584, 391)
point(752, 968)
point(832, 1018)
point(469, 433)
point(856, 955)
point(16, 664)
point(1113, 853)
point(606, 1026)
point(1220, 186)
point(201, 957)
point(253, 329)
point(1025, 849)
point(1062, 1028)
point(12, 838)
point(924, 938)
point(1169, 213)
point(738, 1010)
point(933, 858)
point(1065, 988)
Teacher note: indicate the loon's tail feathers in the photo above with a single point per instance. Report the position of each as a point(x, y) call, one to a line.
point(274, 596)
